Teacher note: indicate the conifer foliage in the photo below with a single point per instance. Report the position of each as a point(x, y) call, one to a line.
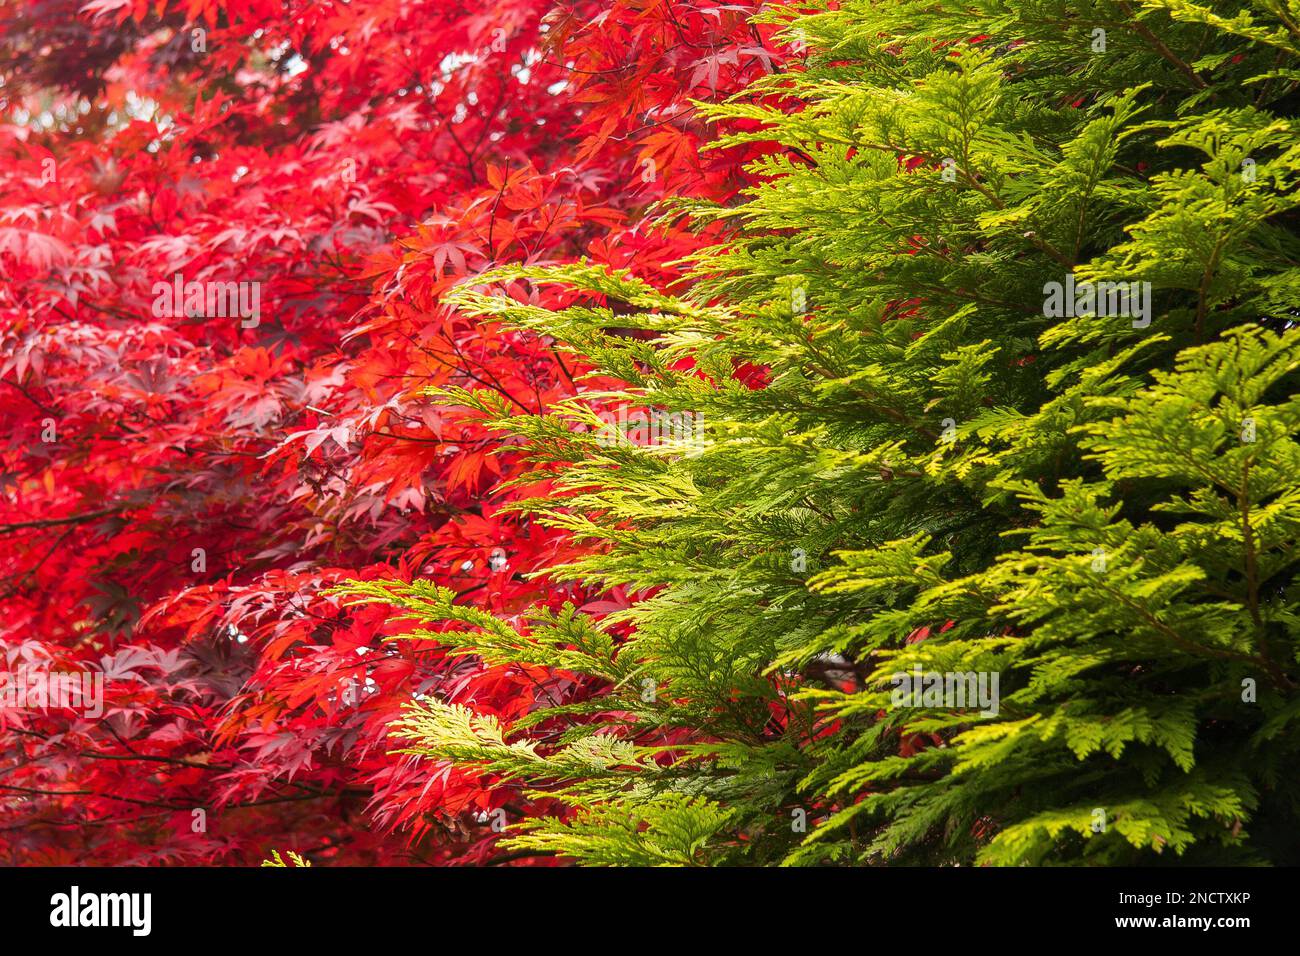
point(997, 372)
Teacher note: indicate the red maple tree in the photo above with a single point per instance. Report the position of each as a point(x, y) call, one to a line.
point(178, 483)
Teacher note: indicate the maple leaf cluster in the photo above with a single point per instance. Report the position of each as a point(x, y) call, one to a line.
point(178, 486)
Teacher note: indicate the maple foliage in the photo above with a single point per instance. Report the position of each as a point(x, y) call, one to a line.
point(177, 490)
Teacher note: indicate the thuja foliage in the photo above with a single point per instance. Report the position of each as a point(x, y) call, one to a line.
point(912, 460)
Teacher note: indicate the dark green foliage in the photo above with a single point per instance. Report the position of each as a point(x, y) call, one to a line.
point(1100, 510)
